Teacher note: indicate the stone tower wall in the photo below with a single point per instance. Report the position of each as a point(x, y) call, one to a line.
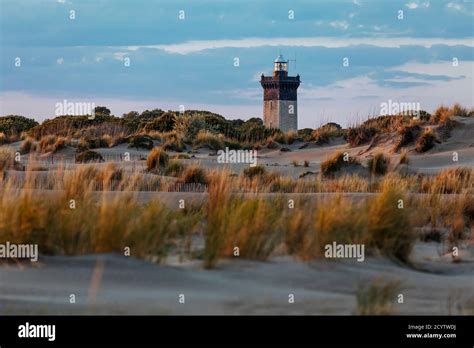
point(280, 102)
point(278, 114)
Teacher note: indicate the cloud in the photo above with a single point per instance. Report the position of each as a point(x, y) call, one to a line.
point(454, 6)
point(437, 69)
point(119, 55)
point(356, 2)
point(339, 25)
point(415, 4)
point(327, 42)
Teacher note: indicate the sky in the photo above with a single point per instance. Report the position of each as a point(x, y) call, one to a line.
point(209, 55)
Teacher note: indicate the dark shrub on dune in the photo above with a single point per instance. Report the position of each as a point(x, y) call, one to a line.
point(426, 141)
point(407, 135)
point(140, 142)
point(28, 145)
point(360, 135)
point(193, 175)
point(378, 164)
point(14, 125)
point(252, 172)
point(164, 123)
point(89, 156)
point(174, 168)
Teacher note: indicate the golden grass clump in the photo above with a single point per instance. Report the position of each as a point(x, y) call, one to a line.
point(443, 113)
point(407, 134)
point(3, 139)
point(282, 184)
point(157, 159)
point(28, 145)
point(459, 110)
point(336, 219)
point(249, 227)
point(193, 174)
point(219, 203)
point(52, 143)
point(404, 159)
point(287, 138)
point(209, 140)
point(377, 297)
point(449, 181)
point(378, 164)
point(426, 141)
point(173, 141)
point(344, 183)
point(75, 221)
point(174, 168)
point(389, 226)
point(332, 165)
point(324, 134)
point(256, 225)
point(256, 179)
point(7, 158)
point(255, 171)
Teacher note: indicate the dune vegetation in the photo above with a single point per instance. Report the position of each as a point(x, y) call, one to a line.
point(73, 214)
point(94, 207)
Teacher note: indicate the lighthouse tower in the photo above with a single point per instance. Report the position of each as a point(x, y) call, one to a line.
point(279, 97)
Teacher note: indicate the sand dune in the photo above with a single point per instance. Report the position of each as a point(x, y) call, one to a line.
point(434, 285)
